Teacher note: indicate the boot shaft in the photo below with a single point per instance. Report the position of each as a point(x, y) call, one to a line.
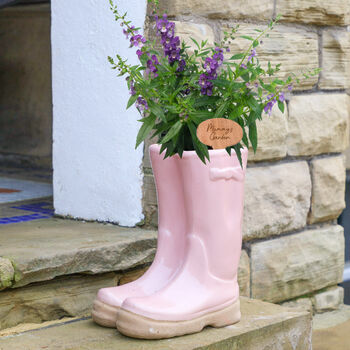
point(213, 197)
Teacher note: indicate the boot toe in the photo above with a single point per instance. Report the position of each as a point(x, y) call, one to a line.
point(110, 296)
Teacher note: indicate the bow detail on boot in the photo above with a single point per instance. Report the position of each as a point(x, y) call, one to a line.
point(235, 173)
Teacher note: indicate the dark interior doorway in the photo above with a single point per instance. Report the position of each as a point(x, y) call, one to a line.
point(25, 80)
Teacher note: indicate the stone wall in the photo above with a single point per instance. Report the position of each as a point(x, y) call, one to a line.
point(295, 183)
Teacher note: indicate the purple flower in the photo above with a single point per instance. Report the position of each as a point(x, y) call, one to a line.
point(290, 87)
point(132, 88)
point(252, 54)
point(211, 65)
point(183, 115)
point(163, 25)
point(281, 97)
point(141, 104)
point(139, 53)
point(137, 40)
point(182, 65)
point(152, 69)
point(126, 33)
point(243, 66)
point(228, 49)
point(170, 42)
point(268, 107)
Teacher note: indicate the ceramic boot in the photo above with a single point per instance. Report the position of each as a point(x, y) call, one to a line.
point(205, 291)
point(170, 247)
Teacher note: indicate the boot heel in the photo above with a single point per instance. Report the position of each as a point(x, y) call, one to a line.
point(227, 316)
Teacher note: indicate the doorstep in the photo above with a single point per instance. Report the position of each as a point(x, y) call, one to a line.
point(53, 268)
point(263, 326)
point(41, 250)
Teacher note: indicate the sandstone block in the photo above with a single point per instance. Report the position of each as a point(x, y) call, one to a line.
point(318, 123)
point(321, 12)
point(130, 276)
point(277, 199)
point(73, 247)
point(219, 9)
point(328, 179)
point(63, 297)
point(304, 304)
point(199, 32)
point(244, 275)
point(272, 137)
point(295, 265)
point(296, 49)
point(328, 300)
point(7, 273)
point(263, 326)
point(335, 60)
point(150, 205)
point(275, 202)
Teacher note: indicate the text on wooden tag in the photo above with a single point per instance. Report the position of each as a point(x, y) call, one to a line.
point(219, 133)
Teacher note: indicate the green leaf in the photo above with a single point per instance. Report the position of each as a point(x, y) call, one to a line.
point(201, 116)
point(281, 106)
point(222, 109)
point(205, 101)
point(158, 111)
point(245, 140)
point(174, 130)
point(131, 101)
point(200, 148)
point(236, 112)
point(181, 142)
point(253, 135)
point(247, 37)
point(255, 43)
point(204, 53)
point(245, 77)
point(253, 104)
point(279, 81)
point(237, 149)
point(195, 43)
point(221, 83)
point(145, 129)
point(169, 149)
point(238, 56)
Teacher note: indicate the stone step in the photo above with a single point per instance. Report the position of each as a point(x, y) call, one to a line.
point(41, 250)
point(263, 326)
point(53, 268)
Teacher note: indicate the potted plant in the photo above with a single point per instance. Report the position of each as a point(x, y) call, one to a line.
point(192, 282)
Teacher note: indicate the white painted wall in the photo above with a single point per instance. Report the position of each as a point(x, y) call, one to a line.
point(97, 171)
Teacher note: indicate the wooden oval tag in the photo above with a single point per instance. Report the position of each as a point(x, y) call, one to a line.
point(219, 132)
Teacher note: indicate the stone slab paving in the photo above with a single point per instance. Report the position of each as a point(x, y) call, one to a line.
point(333, 338)
point(263, 326)
point(44, 249)
point(332, 318)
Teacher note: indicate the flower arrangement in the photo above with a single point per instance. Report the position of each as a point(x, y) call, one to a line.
point(175, 90)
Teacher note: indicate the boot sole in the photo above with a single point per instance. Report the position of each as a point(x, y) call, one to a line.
point(104, 314)
point(137, 326)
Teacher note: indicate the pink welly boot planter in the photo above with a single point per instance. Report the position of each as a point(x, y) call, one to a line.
point(205, 289)
point(170, 248)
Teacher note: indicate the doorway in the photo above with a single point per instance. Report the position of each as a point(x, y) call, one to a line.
point(25, 109)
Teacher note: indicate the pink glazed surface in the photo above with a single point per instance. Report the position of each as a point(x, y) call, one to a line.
point(213, 210)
